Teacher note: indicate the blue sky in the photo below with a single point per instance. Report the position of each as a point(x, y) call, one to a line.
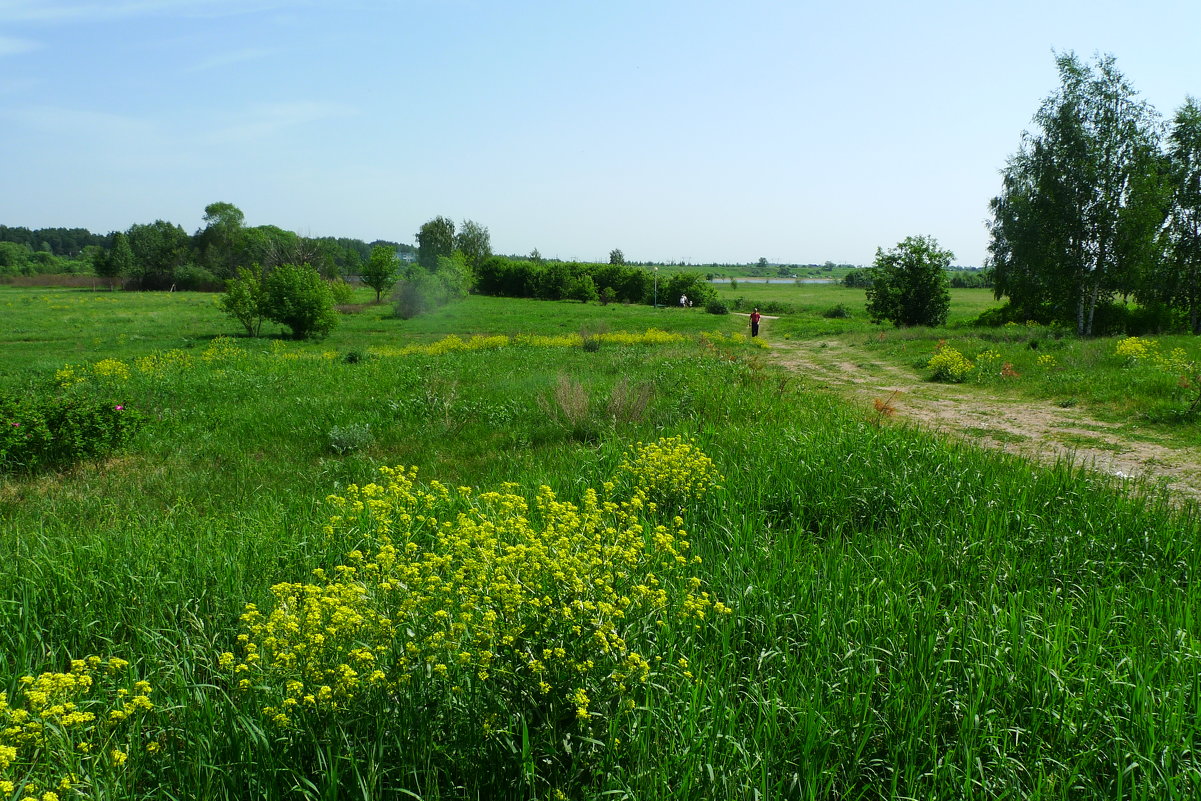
point(696, 131)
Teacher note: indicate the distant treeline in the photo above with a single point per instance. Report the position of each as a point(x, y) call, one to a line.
point(607, 283)
point(161, 254)
point(963, 278)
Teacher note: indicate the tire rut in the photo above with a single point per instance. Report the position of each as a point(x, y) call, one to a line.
point(1043, 432)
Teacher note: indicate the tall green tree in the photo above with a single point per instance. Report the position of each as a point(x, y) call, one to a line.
point(909, 283)
point(1177, 283)
point(381, 270)
point(616, 256)
point(475, 242)
point(218, 242)
point(436, 238)
point(1074, 215)
point(158, 249)
point(120, 262)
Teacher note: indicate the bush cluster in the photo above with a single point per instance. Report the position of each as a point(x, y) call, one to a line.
point(554, 280)
point(39, 431)
point(492, 620)
point(949, 364)
point(293, 295)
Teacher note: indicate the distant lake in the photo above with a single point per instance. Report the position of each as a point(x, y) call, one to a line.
point(774, 280)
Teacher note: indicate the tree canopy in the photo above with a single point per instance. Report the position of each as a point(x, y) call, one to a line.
point(909, 283)
point(1079, 202)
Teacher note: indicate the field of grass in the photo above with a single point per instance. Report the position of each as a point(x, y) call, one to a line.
point(907, 617)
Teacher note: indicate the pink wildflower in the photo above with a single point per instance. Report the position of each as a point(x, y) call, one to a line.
point(119, 408)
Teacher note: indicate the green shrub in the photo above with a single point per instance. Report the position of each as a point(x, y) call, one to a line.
point(342, 292)
point(192, 278)
point(350, 438)
point(296, 296)
point(949, 364)
point(38, 432)
point(839, 312)
point(244, 301)
point(717, 307)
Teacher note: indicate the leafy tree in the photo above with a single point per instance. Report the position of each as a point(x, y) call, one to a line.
point(909, 283)
point(244, 299)
point(218, 243)
point(422, 290)
point(380, 271)
point(1178, 281)
point(296, 296)
point(616, 256)
point(1073, 219)
point(13, 257)
point(475, 243)
point(269, 246)
point(121, 262)
point(436, 238)
point(158, 248)
point(694, 285)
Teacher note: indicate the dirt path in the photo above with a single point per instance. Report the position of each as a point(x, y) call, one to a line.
point(1042, 431)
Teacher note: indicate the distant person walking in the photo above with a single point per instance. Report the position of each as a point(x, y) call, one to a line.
point(683, 301)
point(755, 316)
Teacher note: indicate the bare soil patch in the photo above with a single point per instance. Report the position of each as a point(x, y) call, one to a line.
point(1037, 430)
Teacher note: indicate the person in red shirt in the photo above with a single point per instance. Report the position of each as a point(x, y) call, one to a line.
point(755, 322)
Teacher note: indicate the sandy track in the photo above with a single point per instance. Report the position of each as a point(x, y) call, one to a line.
point(1041, 431)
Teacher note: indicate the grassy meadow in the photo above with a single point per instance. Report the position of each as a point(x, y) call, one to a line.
point(629, 565)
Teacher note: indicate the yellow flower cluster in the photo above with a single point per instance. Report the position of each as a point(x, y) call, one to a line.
point(66, 376)
point(222, 349)
point(949, 364)
point(988, 363)
point(63, 723)
point(162, 363)
point(671, 469)
point(1136, 349)
point(452, 343)
point(483, 596)
point(111, 368)
point(1047, 362)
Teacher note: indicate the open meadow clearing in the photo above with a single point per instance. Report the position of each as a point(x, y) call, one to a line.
point(637, 559)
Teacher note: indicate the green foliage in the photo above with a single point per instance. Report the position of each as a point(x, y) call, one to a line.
point(422, 291)
point(1081, 200)
point(909, 284)
point(158, 249)
point(617, 257)
point(39, 431)
point(474, 242)
point(1175, 281)
point(342, 292)
point(244, 299)
point(194, 278)
point(949, 364)
point(838, 312)
point(717, 307)
point(857, 279)
point(296, 296)
point(990, 596)
point(350, 438)
point(435, 240)
point(381, 270)
point(692, 285)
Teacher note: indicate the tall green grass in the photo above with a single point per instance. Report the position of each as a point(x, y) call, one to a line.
point(911, 617)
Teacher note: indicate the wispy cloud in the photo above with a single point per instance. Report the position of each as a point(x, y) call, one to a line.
point(10, 46)
point(56, 119)
point(59, 11)
point(218, 60)
point(265, 120)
